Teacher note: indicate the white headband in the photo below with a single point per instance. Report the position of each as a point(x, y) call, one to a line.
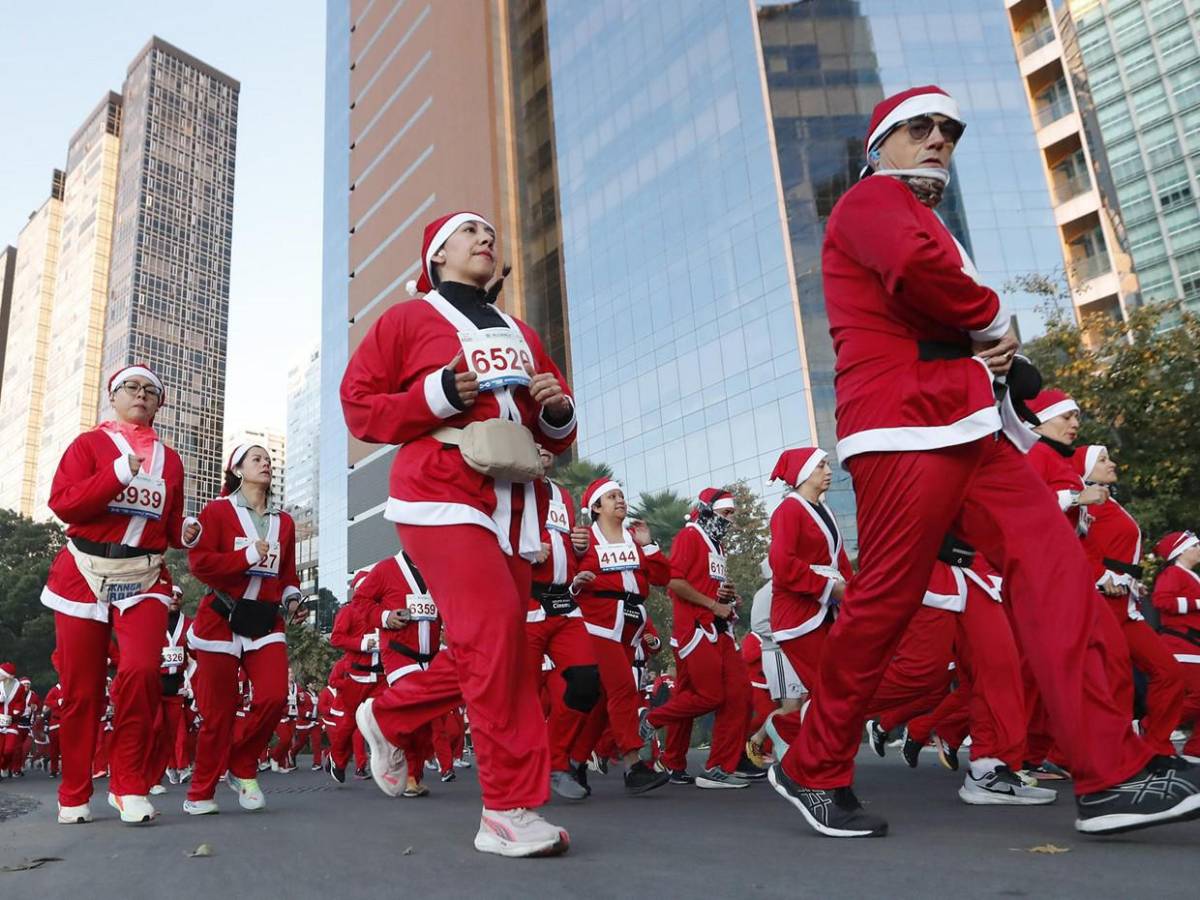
point(1056, 409)
point(1189, 540)
point(135, 370)
point(238, 454)
point(599, 492)
point(1091, 456)
point(448, 228)
point(724, 503)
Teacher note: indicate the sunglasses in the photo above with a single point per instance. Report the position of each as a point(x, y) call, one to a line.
point(920, 127)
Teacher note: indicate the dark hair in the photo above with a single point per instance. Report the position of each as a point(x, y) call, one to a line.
point(233, 481)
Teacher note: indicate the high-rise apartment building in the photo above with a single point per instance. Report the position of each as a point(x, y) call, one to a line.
point(302, 472)
point(276, 446)
point(76, 336)
point(168, 292)
point(26, 359)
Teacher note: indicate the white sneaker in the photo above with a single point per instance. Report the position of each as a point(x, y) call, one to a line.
point(389, 767)
point(200, 807)
point(462, 764)
point(74, 815)
point(185, 775)
point(172, 776)
point(134, 809)
point(157, 789)
point(519, 832)
point(250, 795)
point(1002, 787)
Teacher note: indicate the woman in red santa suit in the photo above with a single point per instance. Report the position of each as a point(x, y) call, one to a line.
point(14, 699)
point(614, 580)
point(920, 344)
point(247, 557)
point(452, 378)
point(1177, 599)
point(364, 676)
point(1113, 544)
point(119, 490)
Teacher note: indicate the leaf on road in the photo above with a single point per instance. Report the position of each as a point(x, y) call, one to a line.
point(1041, 848)
point(202, 850)
point(407, 851)
point(35, 863)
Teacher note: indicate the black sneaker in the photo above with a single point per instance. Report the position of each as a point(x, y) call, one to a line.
point(361, 773)
point(1047, 771)
point(640, 778)
point(448, 776)
point(947, 755)
point(338, 773)
point(877, 737)
point(911, 750)
point(834, 813)
point(681, 776)
point(747, 769)
point(579, 773)
point(1166, 790)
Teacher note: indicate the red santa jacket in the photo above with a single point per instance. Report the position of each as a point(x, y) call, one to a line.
point(895, 276)
point(173, 666)
point(226, 559)
point(52, 707)
point(392, 393)
point(358, 642)
point(1058, 472)
point(950, 587)
point(624, 573)
point(92, 477)
point(1113, 545)
point(752, 657)
point(306, 710)
point(699, 561)
point(329, 704)
point(554, 574)
point(14, 699)
point(1177, 599)
point(802, 539)
point(388, 588)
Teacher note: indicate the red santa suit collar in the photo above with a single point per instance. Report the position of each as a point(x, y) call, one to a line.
point(795, 465)
point(436, 234)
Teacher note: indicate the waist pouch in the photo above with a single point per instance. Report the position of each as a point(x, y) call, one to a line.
point(498, 448)
point(112, 580)
point(633, 612)
point(555, 599)
point(412, 654)
point(249, 618)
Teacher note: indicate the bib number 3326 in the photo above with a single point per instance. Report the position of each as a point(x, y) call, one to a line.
point(498, 356)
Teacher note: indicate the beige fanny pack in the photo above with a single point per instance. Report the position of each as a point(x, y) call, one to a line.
point(498, 448)
point(114, 580)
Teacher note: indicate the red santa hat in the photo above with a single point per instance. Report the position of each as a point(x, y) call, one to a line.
point(1085, 459)
point(142, 369)
point(437, 233)
point(1174, 544)
point(928, 100)
point(794, 466)
point(717, 498)
point(598, 489)
point(358, 578)
point(1050, 403)
point(8, 669)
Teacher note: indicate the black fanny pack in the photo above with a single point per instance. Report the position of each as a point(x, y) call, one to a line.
point(555, 599)
point(249, 618)
point(415, 655)
point(1123, 567)
point(1191, 635)
point(171, 684)
point(633, 612)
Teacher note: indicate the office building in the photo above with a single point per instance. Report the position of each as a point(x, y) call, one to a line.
point(302, 471)
point(276, 446)
point(8, 268)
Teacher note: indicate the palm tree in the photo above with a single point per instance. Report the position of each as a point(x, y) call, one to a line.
point(665, 513)
point(575, 476)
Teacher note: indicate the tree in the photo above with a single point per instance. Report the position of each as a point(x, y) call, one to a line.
point(26, 626)
point(193, 588)
point(1135, 383)
point(310, 654)
point(665, 513)
point(575, 476)
point(746, 546)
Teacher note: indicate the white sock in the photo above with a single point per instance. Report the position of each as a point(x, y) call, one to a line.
point(981, 767)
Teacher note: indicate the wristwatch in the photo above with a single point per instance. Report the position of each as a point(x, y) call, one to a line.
point(1074, 497)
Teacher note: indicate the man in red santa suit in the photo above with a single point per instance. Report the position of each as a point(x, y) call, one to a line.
point(168, 724)
point(280, 757)
point(51, 708)
point(1113, 544)
point(308, 730)
point(426, 371)
point(14, 698)
point(1177, 599)
point(711, 674)
point(920, 344)
point(329, 707)
point(119, 489)
point(364, 678)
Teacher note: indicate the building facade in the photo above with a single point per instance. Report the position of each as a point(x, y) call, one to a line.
point(302, 473)
point(8, 268)
point(26, 359)
point(275, 443)
point(168, 292)
point(73, 383)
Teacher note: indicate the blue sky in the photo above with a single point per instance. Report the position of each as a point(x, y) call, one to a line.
point(58, 61)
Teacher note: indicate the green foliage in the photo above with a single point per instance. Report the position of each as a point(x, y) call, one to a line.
point(193, 588)
point(664, 512)
point(575, 476)
point(1136, 385)
point(746, 547)
point(310, 654)
point(26, 627)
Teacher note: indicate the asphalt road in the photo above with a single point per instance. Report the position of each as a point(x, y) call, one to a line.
point(319, 840)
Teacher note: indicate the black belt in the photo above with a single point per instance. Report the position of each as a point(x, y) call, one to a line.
point(628, 598)
point(359, 667)
point(1123, 567)
point(110, 551)
point(931, 350)
point(412, 654)
point(555, 599)
point(1191, 635)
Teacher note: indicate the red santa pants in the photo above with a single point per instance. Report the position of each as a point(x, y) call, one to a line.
point(307, 737)
point(620, 701)
point(352, 694)
point(566, 641)
point(168, 746)
point(1165, 689)
point(285, 732)
point(12, 746)
point(483, 608)
point(712, 678)
point(82, 646)
point(53, 750)
point(985, 492)
point(215, 684)
point(448, 734)
point(919, 675)
point(1190, 672)
point(989, 670)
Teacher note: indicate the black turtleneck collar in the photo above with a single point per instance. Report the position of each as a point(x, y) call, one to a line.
point(472, 302)
point(1064, 450)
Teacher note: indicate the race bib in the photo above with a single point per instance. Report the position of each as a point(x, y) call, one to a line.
point(172, 656)
point(716, 567)
point(293, 710)
point(421, 607)
point(498, 356)
point(556, 518)
point(268, 566)
point(618, 557)
point(5, 721)
point(145, 496)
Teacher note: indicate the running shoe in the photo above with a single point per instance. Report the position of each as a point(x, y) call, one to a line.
point(911, 749)
point(877, 737)
point(1166, 790)
point(1002, 787)
point(756, 755)
point(200, 807)
point(74, 815)
point(519, 833)
point(563, 784)
point(716, 779)
point(835, 812)
point(641, 778)
point(747, 769)
point(134, 808)
point(681, 776)
point(389, 767)
point(948, 755)
point(250, 795)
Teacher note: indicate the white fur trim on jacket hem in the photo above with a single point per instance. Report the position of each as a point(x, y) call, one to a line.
point(1187, 657)
point(230, 648)
point(978, 424)
point(697, 636)
point(97, 611)
point(812, 623)
point(435, 396)
point(434, 512)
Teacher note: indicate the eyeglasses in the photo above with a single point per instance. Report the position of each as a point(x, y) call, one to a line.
point(133, 388)
point(920, 127)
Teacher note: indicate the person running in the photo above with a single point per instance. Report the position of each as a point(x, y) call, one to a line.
point(1177, 598)
point(14, 698)
point(119, 489)
point(166, 748)
point(247, 557)
point(463, 387)
point(363, 679)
